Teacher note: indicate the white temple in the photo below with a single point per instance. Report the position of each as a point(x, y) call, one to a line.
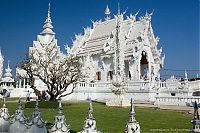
point(45, 41)
point(126, 50)
point(119, 49)
point(116, 51)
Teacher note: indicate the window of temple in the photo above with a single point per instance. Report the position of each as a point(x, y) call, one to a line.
point(98, 75)
point(144, 65)
point(136, 49)
point(129, 75)
point(196, 93)
point(110, 75)
point(173, 94)
point(139, 38)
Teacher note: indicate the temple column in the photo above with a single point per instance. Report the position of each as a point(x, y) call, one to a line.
point(149, 70)
point(24, 83)
point(20, 85)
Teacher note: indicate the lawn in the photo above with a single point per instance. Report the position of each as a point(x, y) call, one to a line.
point(113, 120)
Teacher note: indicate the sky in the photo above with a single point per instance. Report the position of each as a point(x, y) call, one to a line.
point(175, 22)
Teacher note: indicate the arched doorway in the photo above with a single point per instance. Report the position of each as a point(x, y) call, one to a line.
point(98, 75)
point(110, 75)
point(144, 65)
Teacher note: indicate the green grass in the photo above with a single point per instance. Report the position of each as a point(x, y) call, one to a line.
point(113, 120)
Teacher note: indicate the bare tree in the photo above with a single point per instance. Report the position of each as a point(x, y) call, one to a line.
point(55, 69)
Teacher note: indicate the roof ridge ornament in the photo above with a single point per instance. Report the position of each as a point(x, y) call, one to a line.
point(107, 12)
point(48, 23)
point(8, 64)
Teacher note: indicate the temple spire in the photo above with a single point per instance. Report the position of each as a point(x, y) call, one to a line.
point(107, 13)
point(48, 23)
point(20, 103)
point(4, 102)
point(118, 8)
point(90, 111)
point(132, 125)
point(8, 71)
point(8, 64)
point(132, 113)
point(60, 108)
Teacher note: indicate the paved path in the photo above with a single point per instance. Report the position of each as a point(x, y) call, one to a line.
point(167, 107)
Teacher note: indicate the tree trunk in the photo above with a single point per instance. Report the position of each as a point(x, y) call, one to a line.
point(53, 97)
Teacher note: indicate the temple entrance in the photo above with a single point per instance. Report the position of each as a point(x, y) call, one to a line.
point(126, 69)
point(143, 65)
point(110, 75)
point(98, 74)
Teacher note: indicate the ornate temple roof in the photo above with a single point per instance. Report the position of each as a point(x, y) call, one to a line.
point(46, 40)
point(94, 38)
point(133, 32)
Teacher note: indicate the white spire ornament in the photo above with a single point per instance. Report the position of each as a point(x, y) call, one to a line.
point(107, 13)
point(4, 118)
point(90, 122)
point(60, 126)
point(186, 75)
point(36, 124)
point(8, 71)
point(132, 125)
point(48, 24)
point(17, 121)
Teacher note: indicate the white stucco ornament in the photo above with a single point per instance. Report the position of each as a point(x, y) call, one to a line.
point(36, 124)
point(90, 122)
point(60, 126)
point(132, 125)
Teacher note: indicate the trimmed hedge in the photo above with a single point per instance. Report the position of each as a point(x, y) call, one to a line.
point(43, 104)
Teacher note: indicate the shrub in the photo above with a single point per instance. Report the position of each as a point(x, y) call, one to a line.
point(42, 104)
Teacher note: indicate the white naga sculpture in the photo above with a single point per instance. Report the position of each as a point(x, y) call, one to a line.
point(132, 125)
point(4, 118)
point(60, 125)
point(90, 122)
point(17, 121)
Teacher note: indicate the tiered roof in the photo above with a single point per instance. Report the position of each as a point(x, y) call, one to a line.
point(133, 32)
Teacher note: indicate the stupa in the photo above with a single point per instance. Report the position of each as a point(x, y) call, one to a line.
point(60, 125)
